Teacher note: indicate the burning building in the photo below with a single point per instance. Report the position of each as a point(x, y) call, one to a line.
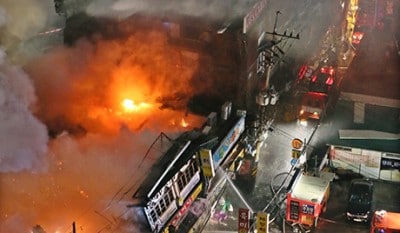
point(79, 117)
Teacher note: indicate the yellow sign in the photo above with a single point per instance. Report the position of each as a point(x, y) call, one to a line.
point(207, 164)
point(262, 222)
point(296, 153)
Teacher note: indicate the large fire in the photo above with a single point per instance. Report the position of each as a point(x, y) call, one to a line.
point(115, 91)
point(116, 82)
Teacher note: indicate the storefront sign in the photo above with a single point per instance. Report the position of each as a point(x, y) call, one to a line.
point(252, 16)
point(262, 222)
point(243, 226)
point(183, 210)
point(206, 163)
point(230, 139)
point(390, 163)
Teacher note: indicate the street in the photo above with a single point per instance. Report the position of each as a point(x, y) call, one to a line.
point(275, 168)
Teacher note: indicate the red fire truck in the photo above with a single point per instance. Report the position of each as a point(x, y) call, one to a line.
point(385, 222)
point(316, 89)
point(308, 198)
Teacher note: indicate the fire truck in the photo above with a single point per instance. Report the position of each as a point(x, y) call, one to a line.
point(315, 96)
point(313, 106)
point(385, 222)
point(307, 199)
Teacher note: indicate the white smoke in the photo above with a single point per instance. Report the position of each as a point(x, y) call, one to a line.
point(23, 138)
point(22, 20)
point(125, 8)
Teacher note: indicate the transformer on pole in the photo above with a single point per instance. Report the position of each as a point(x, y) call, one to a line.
point(269, 54)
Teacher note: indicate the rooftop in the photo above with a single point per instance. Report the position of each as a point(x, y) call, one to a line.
point(384, 121)
point(310, 188)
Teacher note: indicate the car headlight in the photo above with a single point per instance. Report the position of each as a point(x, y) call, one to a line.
point(366, 215)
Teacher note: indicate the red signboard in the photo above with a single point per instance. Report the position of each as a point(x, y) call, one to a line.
point(253, 15)
point(182, 211)
point(243, 226)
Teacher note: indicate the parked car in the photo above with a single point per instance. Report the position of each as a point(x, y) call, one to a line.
point(359, 202)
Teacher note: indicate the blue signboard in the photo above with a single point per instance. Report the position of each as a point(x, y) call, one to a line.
point(308, 209)
point(230, 140)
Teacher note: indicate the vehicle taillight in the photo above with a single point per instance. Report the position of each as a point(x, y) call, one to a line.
point(314, 78)
point(327, 70)
point(357, 37)
point(302, 71)
point(329, 81)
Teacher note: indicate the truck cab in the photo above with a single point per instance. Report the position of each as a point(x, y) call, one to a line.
point(313, 105)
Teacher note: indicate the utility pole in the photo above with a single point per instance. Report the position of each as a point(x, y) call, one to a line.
point(268, 51)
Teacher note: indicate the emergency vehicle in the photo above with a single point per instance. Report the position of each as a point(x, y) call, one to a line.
point(385, 222)
point(308, 198)
point(316, 89)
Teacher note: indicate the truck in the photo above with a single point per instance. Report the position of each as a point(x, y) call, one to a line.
point(314, 99)
point(385, 222)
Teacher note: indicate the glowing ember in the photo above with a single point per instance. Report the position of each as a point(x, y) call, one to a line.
point(184, 124)
point(83, 194)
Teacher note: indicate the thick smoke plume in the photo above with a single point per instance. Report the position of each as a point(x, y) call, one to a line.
point(22, 20)
point(23, 143)
point(209, 9)
point(103, 102)
point(23, 138)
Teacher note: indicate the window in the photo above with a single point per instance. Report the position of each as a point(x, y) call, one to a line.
point(158, 210)
point(169, 197)
point(160, 206)
point(186, 176)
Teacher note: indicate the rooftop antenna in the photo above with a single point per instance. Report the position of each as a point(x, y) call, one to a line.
point(276, 21)
point(284, 35)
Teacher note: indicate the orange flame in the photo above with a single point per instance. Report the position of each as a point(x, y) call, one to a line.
point(130, 105)
point(184, 124)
